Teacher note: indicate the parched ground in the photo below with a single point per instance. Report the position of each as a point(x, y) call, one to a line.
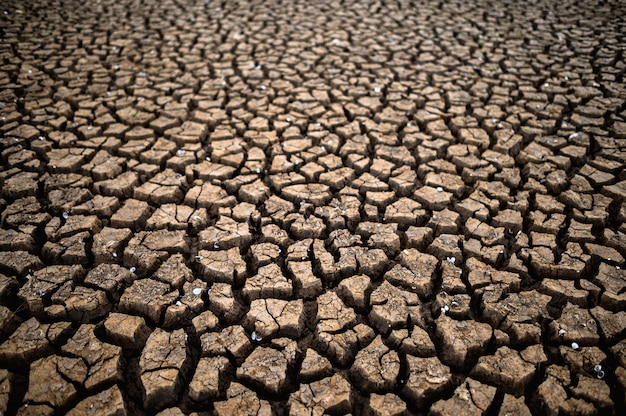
point(308, 207)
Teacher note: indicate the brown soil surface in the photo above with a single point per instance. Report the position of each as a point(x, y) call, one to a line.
point(308, 207)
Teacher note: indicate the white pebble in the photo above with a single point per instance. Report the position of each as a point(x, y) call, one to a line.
point(133, 269)
point(197, 291)
point(451, 259)
point(575, 345)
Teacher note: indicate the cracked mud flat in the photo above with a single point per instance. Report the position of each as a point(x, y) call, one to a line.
point(313, 207)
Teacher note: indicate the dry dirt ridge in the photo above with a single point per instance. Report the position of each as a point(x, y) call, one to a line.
point(308, 207)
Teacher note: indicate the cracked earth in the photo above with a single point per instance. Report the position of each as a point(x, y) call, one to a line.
point(291, 207)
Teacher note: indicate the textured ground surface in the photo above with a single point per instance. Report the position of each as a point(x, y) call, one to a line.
point(307, 207)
